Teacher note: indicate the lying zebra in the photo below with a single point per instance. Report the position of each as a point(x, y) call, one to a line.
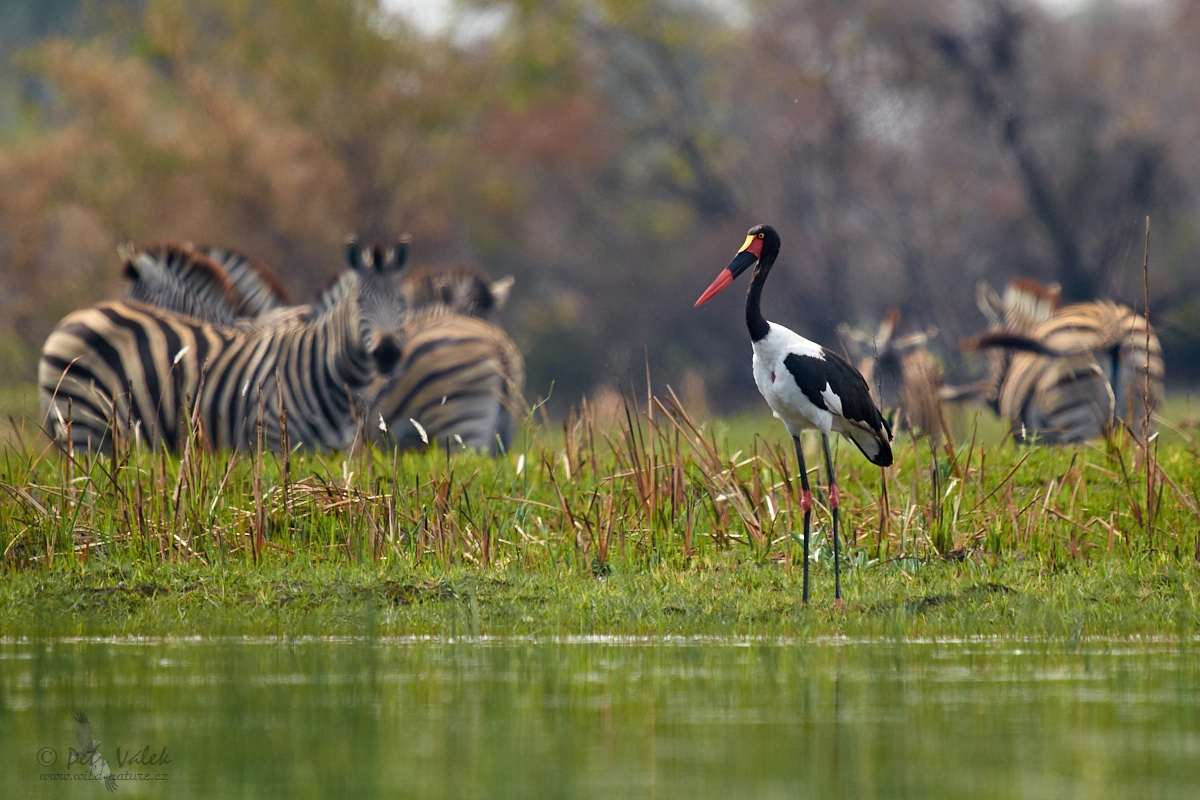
point(460, 377)
point(133, 369)
point(1065, 374)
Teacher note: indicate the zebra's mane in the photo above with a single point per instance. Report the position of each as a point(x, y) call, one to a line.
point(334, 291)
point(177, 278)
point(257, 286)
point(1028, 303)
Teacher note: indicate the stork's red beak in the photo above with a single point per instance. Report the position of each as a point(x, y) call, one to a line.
point(715, 288)
point(747, 257)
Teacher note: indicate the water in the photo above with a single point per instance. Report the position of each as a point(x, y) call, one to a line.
point(603, 718)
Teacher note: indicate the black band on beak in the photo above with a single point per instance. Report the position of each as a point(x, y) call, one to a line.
point(742, 262)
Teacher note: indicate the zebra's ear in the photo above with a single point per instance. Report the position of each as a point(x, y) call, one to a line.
point(914, 340)
point(397, 256)
point(128, 255)
point(500, 290)
point(883, 338)
point(989, 303)
point(355, 257)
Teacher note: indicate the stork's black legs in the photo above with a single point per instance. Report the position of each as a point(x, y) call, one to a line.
point(834, 502)
point(806, 504)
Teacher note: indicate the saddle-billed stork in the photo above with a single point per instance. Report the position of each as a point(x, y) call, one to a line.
point(807, 386)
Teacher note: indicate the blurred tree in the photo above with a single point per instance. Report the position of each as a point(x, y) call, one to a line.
point(611, 153)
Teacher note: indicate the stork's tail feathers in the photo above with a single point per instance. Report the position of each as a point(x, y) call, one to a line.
point(875, 443)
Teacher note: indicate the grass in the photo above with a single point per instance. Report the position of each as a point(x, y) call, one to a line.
point(648, 523)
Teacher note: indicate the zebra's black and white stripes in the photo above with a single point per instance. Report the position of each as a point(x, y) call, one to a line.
point(460, 378)
point(1068, 374)
point(459, 383)
point(178, 278)
point(146, 371)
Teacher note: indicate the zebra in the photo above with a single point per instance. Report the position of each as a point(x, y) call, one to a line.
point(212, 284)
point(457, 288)
point(902, 374)
point(460, 379)
point(178, 278)
point(258, 288)
point(1066, 374)
point(128, 368)
point(459, 383)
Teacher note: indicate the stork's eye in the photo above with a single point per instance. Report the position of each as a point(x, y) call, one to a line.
point(762, 235)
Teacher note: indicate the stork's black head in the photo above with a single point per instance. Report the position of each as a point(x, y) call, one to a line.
point(760, 248)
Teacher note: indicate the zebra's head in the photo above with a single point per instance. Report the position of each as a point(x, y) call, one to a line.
point(457, 288)
point(899, 370)
point(381, 300)
point(178, 278)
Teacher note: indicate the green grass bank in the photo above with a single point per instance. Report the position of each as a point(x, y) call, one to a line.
point(644, 523)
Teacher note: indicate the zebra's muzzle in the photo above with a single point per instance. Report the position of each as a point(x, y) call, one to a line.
point(386, 354)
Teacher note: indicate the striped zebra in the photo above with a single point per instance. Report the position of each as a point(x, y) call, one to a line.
point(132, 369)
point(459, 383)
point(1067, 374)
point(179, 279)
point(258, 288)
point(460, 379)
point(212, 284)
point(458, 289)
point(902, 374)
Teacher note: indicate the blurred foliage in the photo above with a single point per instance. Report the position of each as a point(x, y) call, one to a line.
point(610, 154)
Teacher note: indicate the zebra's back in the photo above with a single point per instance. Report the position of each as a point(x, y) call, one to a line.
point(120, 364)
point(256, 285)
point(146, 373)
point(1058, 400)
point(460, 378)
point(1100, 379)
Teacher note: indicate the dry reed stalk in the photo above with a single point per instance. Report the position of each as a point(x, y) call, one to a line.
point(393, 525)
point(191, 444)
point(722, 484)
point(563, 506)
point(258, 533)
point(1149, 454)
point(284, 447)
point(445, 530)
point(375, 534)
point(161, 492)
point(640, 461)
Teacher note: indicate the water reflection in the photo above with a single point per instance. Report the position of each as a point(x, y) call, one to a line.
point(598, 718)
